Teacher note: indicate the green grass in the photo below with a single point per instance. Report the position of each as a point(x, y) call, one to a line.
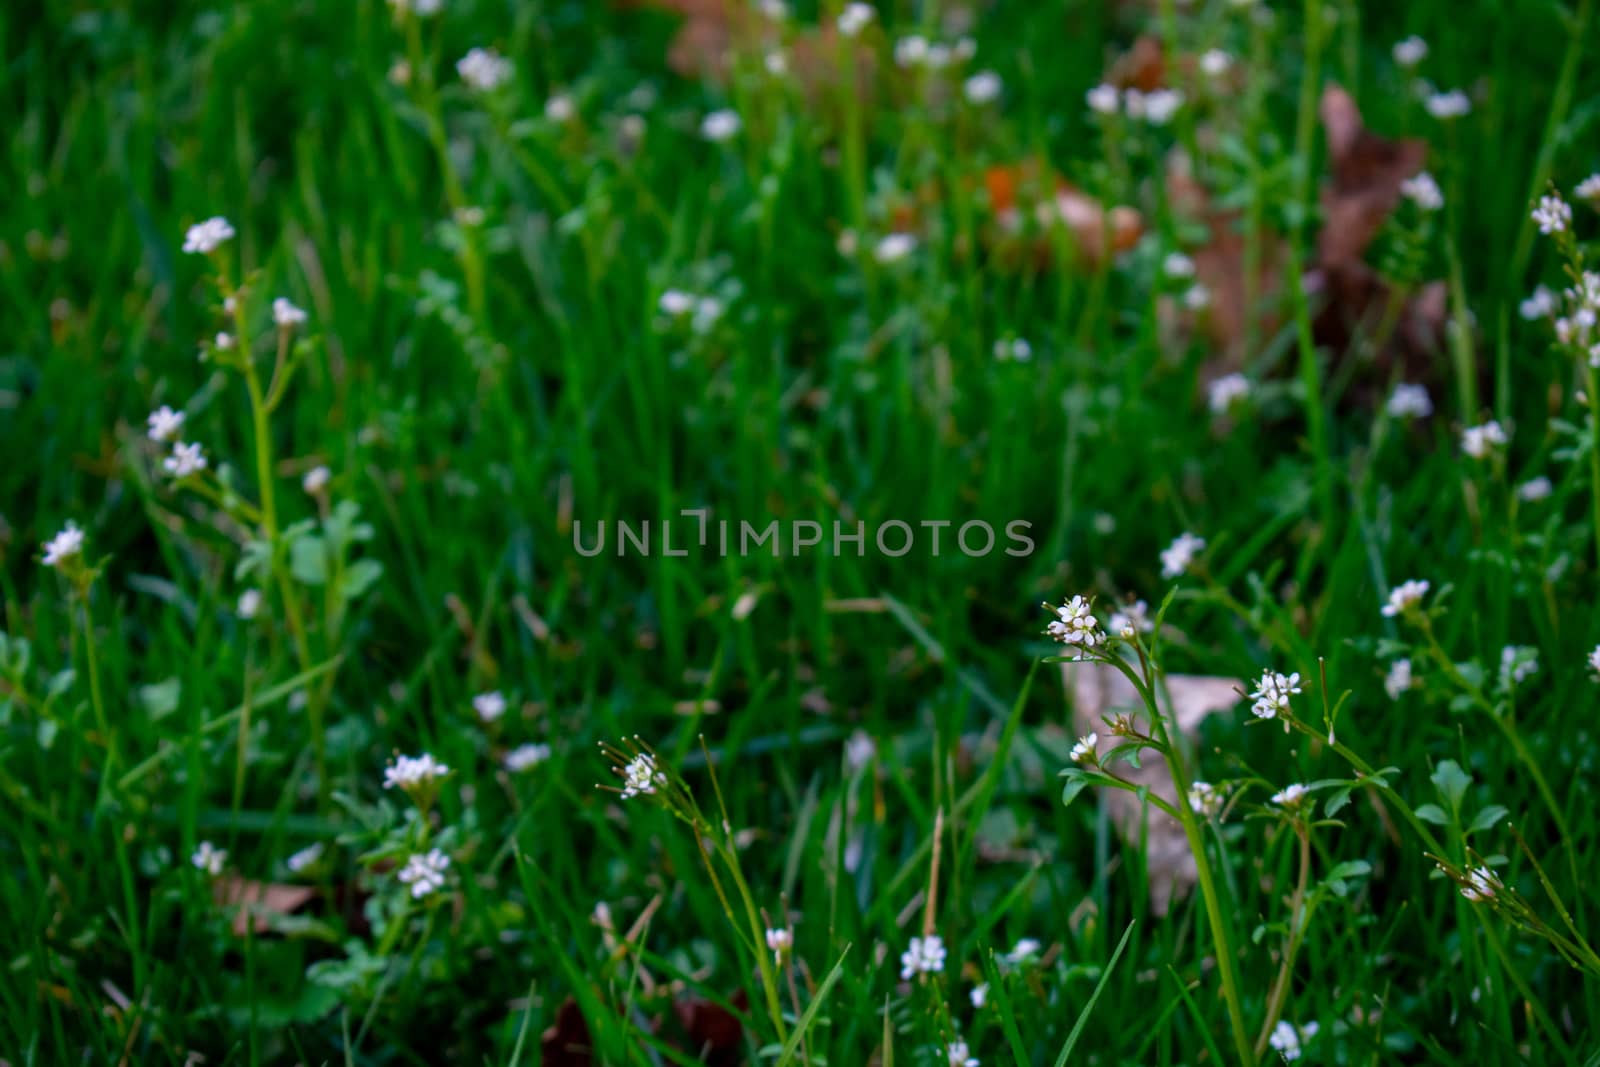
point(475, 390)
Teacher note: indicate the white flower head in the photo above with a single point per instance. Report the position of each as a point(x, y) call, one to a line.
point(1014, 348)
point(1131, 619)
point(1215, 63)
point(1398, 679)
point(781, 942)
point(979, 995)
point(413, 772)
point(1272, 693)
point(64, 546)
point(560, 109)
point(1552, 213)
point(209, 858)
point(525, 757)
point(1541, 304)
point(249, 605)
point(206, 237)
point(424, 872)
point(776, 63)
point(1027, 950)
point(484, 70)
point(1535, 489)
point(1287, 1038)
point(223, 342)
point(958, 1055)
point(1177, 265)
point(1479, 441)
point(894, 247)
point(1161, 105)
point(1480, 884)
point(854, 18)
point(675, 302)
point(983, 87)
point(285, 315)
point(489, 706)
point(1291, 796)
point(1205, 799)
point(1449, 105)
point(316, 480)
point(1103, 99)
point(1404, 597)
point(707, 312)
point(911, 51)
point(1410, 51)
point(305, 858)
point(1076, 625)
point(186, 460)
point(1423, 191)
point(1518, 663)
point(859, 750)
point(1178, 557)
point(640, 776)
point(1409, 401)
point(924, 955)
point(1084, 751)
point(721, 126)
point(1594, 662)
point(1197, 297)
point(420, 8)
point(1588, 189)
point(164, 424)
point(1226, 391)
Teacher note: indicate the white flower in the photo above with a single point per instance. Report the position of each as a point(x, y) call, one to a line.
point(1411, 51)
point(1450, 105)
point(1076, 625)
point(1423, 191)
point(1399, 678)
point(1286, 1038)
point(484, 69)
point(1205, 799)
point(1535, 489)
point(780, 942)
point(67, 544)
point(1177, 265)
point(675, 302)
point(165, 424)
point(206, 237)
point(1541, 303)
point(408, 772)
point(249, 604)
point(1553, 214)
point(1027, 950)
point(720, 126)
point(1410, 401)
point(526, 756)
point(776, 63)
point(1131, 619)
point(299, 861)
point(984, 87)
point(1015, 348)
point(209, 858)
point(959, 1056)
point(469, 215)
point(924, 955)
point(979, 995)
point(1084, 750)
point(1161, 105)
point(420, 8)
point(1177, 557)
point(1197, 298)
point(1290, 795)
point(1404, 597)
point(1271, 697)
point(186, 459)
point(641, 777)
point(1479, 441)
point(1518, 663)
point(894, 247)
point(1594, 662)
point(1588, 189)
point(223, 341)
point(285, 315)
point(855, 18)
point(316, 480)
point(1215, 62)
point(707, 310)
point(489, 706)
point(1226, 391)
point(560, 108)
point(424, 872)
point(911, 51)
point(1481, 884)
point(859, 750)
point(1103, 99)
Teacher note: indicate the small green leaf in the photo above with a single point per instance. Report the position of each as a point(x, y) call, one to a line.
point(1075, 785)
point(1433, 813)
point(1350, 869)
point(361, 576)
point(1452, 783)
point(307, 561)
point(160, 699)
point(1488, 818)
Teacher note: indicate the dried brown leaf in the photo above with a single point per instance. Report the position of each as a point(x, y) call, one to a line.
point(566, 1041)
point(259, 902)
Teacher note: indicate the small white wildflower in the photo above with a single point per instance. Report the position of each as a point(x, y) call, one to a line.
point(1594, 662)
point(859, 750)
point(223, 341)
point(675, 302)
point(1518, 663)
point(165, 424)
point(1272, 693)
point(1084, 751)
point(420, 8)
point(1409, 401)
point(303, 859)
point(1197, 297)
point(641, 777)
point(424, 872)
point(1541, 303)
point(1290, 795)
point(249, 605)
point(1103, 99)
point(1588, 189)
point(911, 51)
point(1027, 950)
point(720, 126)
point(285, 315)
point(924, 955)
point(958, 1055)
point(854, 18)
point(484, 69)
point(209, 858)
point(1423, 191)
point(1205, 799)
point(775, 10)
point(1227, 391)
point(186, 459)
point(1076, 625)
point(490, 706)
point(526, 756)
point(1535, 489)
point(979, 995)
point(1479, 441)
point(1161, 105)
point(1287, 1038)
point(206, 237)
point(1177, 265)
point(560, 109)
point(1215, 63)
point(939, 56)
point(1398, 679)
point(894, 247)
point(1553, 214)
point(776, 63)
point(1014, 348)
point(1178, 557)
point(707, 312)
point(1450, 105)
point(780, 942)
point(983, 87)
point(1481, 884)
point(316, 480)
point(1411, 51)
point(1404, 597)
point(1132, 618)
point(409, 772)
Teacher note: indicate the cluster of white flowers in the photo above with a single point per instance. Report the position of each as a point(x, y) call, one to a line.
point(1272, 693)
point(979, 995)
point(206, 237)
point(1290, 796)
point(484, 69)
point(1481, 884)
point(209, 858)
point(1448, 105)
point(1535, 489)
point(560, 109)
point(1541, 304)
point(721, 126)
point(1076, 625)
point(1226, 391)
point(1518, 663)
point(1409, 401)
point(1398, 679)
point(164, 424)
point(489, 706)
point(1589, 189)
point(285, 315)
point(420, 8)
point(1594, 662)
point(781, 942)
point(1411, 51)
point(1178, 266)
point(1214, 63)
point(1552, 213)
point(894, 247)
point(1205, 799)
point(1423, 191)
point(526, 756)
point(65, 545)
point(854, 18)
point(410, 772)
point(983, 87)
point(1287, 1038)
point(1404, 597)
point(1156, 107)
point(187, 459)
point(704, 311)
point(1014, 348)
point(1179, 556)
point(1132, 619)
point(424, 872)
point(1479, 441)
point(1026, 951)
point(917, 52)
point(302, 860)
point(640, 776)
point(924, 955)
point(958, 1055)
point(1085, 751)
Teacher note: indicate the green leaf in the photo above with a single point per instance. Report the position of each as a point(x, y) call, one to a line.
point(1337, 800)
point(1433, 813)
point(1083, 1016)
point(1488, 818)
point(1075, 785)
point(160, 699)
point(1452, 783)
point(361, 576)
point(308, 561)
point(1350, 869)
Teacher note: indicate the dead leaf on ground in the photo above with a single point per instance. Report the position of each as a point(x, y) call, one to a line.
point(258, 903)
point(566, 1041)
point(1097, 692)
point(715, 1034)
point(1143, 66)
